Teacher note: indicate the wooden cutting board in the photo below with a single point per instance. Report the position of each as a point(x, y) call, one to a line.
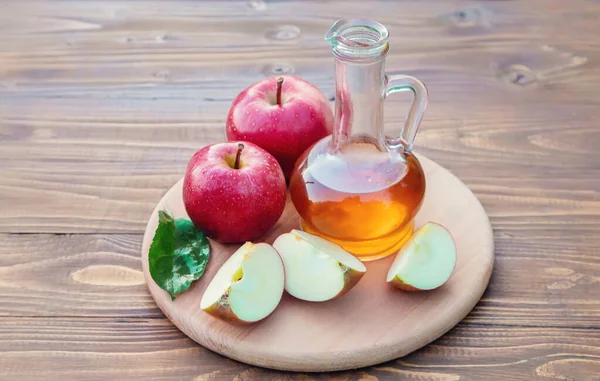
point(373, 323)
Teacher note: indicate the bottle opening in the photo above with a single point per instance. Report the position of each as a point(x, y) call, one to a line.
point(358, 38)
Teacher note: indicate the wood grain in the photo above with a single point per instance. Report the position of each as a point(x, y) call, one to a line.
point(539, 279)
point(73, 275)
point(109, 101)
point(138, 349)
point(103, 102)
point(116, 174)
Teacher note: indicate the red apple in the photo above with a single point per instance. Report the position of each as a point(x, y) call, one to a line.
point(234, 192)
point(283, 115)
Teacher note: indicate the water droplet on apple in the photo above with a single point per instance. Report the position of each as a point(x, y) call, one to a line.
point(260, 129)
point(369, 179)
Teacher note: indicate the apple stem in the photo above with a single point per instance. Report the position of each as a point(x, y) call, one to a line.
point(279, 85)
point(236, 165)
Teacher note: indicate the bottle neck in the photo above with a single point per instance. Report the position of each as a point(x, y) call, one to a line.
point(359, 89)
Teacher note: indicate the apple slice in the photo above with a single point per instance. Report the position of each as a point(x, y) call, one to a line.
point(316, 270)
point(248, 286)
point(426, 261)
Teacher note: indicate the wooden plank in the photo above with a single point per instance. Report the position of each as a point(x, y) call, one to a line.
point(539, 279)
point(73, 275)
point(110, 182)
point(236, 24)
point(138, 349)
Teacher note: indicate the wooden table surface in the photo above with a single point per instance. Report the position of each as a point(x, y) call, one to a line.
point(102, 103)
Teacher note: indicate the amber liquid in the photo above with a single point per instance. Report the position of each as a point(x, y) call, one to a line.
point(364, 204)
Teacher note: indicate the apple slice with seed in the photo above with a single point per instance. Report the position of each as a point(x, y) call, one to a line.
point(248, 286)
point(317, 270)
point(426, 261)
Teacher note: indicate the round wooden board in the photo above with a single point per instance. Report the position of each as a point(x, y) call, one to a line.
point(373, 323)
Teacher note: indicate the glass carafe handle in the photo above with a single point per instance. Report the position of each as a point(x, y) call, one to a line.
point(400, 82)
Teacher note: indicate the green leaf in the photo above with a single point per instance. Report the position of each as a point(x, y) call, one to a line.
point(178, 254)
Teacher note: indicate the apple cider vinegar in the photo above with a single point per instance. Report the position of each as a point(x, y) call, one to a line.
point(359, 199)
point(359, 187)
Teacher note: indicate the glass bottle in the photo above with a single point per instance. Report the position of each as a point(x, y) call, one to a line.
point(358, 187)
